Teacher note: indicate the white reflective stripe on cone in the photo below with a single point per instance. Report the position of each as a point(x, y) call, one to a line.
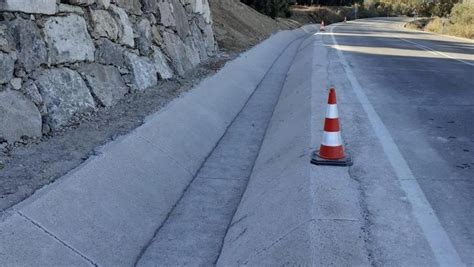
point(332, 139)
point(331, 111)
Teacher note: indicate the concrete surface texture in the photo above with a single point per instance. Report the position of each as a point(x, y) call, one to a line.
point(108, 209)
point(174, 193)
point(194, 231)
point(293, 213)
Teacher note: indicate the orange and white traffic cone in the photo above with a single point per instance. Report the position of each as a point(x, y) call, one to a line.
point(331, 151)
point(321, 28)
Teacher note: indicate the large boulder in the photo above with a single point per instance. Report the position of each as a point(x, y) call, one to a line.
point(30, 45)
point(68, 39)
point(7, 64)
point(30, 6)
point(18, 117)
point(126, 34)
point(105, 82)
point(177, 51)
point(104, 25)
point(64, 93)
point(143, 71)
point(161, 65)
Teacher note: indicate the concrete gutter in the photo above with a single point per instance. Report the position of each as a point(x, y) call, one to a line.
point(294, 213)
point(105, 211)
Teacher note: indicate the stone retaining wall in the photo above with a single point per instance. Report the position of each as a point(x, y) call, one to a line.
point(59, 58)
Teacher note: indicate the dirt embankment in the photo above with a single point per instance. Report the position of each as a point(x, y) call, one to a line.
point(238, 27)
point(316, 14)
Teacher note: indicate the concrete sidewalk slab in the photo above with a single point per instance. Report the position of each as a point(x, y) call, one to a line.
point(292, 212)
point(17, 234)
point(108, 208)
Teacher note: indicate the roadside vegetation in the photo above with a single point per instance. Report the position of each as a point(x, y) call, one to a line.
point(452, 17)
point(459, 22)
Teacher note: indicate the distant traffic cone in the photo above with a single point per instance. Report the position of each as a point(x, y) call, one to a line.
point(321, 28)
point(331, 151)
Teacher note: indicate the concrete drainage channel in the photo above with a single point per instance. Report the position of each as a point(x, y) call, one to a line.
point(195, 229)
point(106, 211)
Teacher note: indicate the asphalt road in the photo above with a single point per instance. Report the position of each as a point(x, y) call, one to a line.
point(418, 92)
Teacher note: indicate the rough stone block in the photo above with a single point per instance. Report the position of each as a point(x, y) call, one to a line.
point(176, 50)
point(131, 6)
point(18, 116)
point(6, 40)
point(144, 37)
point(143, 71)
point(65, 8)
point(104, 3)
point(30, 6)
point(68, 39)
point(104, 25)
point(64, 93)
point(110, 53)
point(201, 7)
point(161, 65)
point(150, 6)
point(126, 36)
point(31, 47)
point(105, 82)
point(7, 64)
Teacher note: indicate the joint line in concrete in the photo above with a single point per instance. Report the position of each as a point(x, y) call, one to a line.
point(36, 224)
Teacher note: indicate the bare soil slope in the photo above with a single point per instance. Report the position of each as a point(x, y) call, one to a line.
point(238, 26)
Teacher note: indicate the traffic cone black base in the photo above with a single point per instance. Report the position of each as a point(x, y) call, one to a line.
point(317, 160)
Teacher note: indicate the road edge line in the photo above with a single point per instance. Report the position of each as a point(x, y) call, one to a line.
point(436, 236)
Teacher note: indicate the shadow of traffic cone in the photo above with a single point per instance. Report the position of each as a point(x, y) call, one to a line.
point(321, 28)
point(331, 151)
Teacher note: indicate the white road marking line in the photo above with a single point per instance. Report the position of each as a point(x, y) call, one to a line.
point(434, 51)
point(438, 239)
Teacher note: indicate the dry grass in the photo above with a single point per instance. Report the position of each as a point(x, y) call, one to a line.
point(460, 23)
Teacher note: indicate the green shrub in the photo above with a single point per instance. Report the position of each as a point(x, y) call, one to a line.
point(272, 8)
